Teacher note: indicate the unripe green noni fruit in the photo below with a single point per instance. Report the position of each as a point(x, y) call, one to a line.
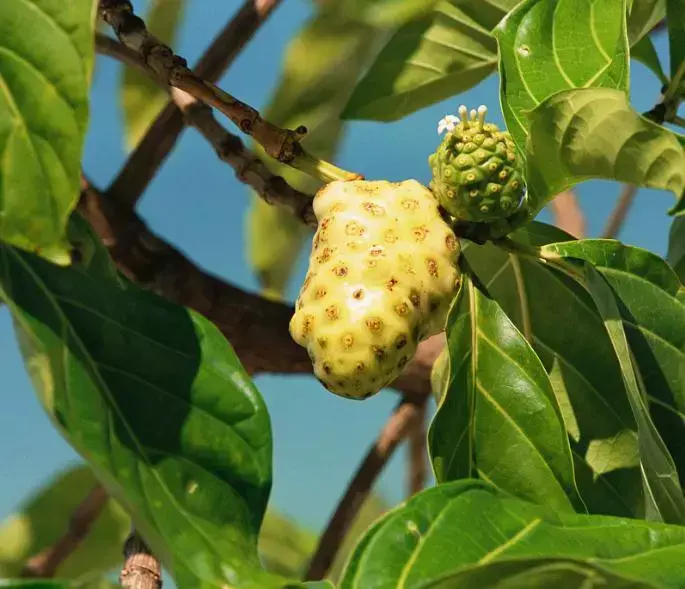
point(476, 170)
point(382, 273)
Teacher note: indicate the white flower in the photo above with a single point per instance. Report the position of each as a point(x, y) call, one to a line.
point(448, 124)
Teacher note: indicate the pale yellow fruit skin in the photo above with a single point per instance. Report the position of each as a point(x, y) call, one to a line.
point(382, 273)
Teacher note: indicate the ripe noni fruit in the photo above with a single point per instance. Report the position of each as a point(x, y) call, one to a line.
point(475, 169)
point(382, 273)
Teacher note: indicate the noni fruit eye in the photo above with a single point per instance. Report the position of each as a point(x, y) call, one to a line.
point(382, 273)
point(476, 170)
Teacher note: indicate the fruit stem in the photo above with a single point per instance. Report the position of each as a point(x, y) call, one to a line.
point(322, 169)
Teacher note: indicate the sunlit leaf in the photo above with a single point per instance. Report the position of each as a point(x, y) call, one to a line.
point(579, 135)
point(549, 46)
point(466, 524)
point(46, 61)
point(676, 247)
point(430, 59)
point(498, 417)
point(643, 16)
point(581, 364)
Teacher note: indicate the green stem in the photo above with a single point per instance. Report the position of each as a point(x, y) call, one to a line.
point(673, 89)
point(322, 169)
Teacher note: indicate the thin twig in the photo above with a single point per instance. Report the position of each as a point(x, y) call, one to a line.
point(620, 212)
point(229, 148)
point(141, 569)
point(417, 455)
point(162, 135)
point(568, 215)
point(281, 144)
point(46, 563)
point(256, 327)
point(395, 430)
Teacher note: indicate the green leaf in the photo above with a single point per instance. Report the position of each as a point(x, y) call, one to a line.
point(663, 492)
point(43, 519)
point(36, 584)
point(675, 19)
point(319, 585)
point(643, 16)
point(549, 46)
point(380, 13)
point(430, 59)
point(676, 247)
point(536, 573)
point(581, 363)
point(578, 135)
point(141, 97)
point(46, 61)
point(469, 523)
point(498, 417)
point(284, 546)
point(154, 398)
point(645, 53)
point(320, 68)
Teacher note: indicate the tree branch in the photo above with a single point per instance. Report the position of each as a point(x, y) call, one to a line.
point(46, 563)
point(620, 213)
point(568, 214)
point(153, 149)
point(280, 144)
point(141, 569)
point(257, 328)
point(395, 430)
point(229, 148)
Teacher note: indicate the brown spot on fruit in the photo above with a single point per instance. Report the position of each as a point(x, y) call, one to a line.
point(401, 341)
point(415, 298)
point(354, 228)
point(379, 353)
point(375, 324)
point(307, 324)
point(337, 207)
point(403, 362)
point(320, 292)
point(402, 309)
point(323, 342)
point(324, 256)
point(432, 266)
point(347, 341)
point(332, 312)
point(451, 242)
point(358, 294)
point(373, 208)
point(392, 283)
point(360, 367)
point(410, 204)
point(376, 251)
point(340, 270)
point(390, 236)
point(420, 233)
point(326, 367)
point(325, 222)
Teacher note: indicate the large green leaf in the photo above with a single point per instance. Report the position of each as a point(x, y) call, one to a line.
point(320, 68)
point(469, 523)
point(154, 398)
point(547, 46)
point(663, 493)
point(44, 518)
point(580, 362)
point(676, 247)
point(675, 19)
point(46, 60)
point(498, 417)
point(578, 135)
point(141, 97)
point(653, 317)
point(430, 59)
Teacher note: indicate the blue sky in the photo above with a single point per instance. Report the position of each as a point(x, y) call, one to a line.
point(318, 438)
